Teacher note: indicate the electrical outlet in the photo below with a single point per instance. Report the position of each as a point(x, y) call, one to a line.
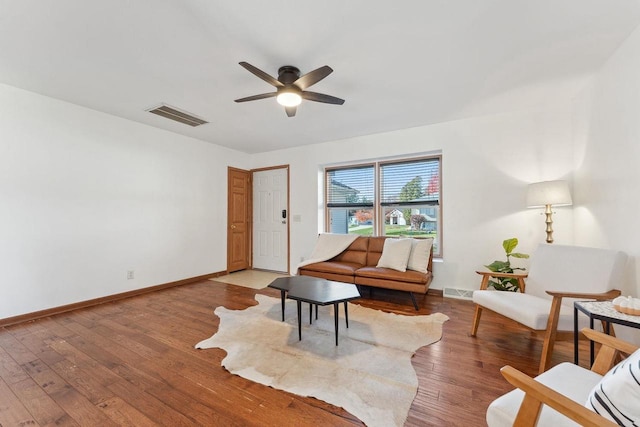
point(130, 274)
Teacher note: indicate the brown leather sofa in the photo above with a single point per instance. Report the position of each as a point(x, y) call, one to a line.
point(357, 264)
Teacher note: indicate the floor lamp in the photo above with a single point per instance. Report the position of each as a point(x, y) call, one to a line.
point(546, 194)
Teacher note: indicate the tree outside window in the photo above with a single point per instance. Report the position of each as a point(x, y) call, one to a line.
point(404, 193)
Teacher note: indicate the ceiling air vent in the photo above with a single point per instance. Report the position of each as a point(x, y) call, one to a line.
point(177, 115)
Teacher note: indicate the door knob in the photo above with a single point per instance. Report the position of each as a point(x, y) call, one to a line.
point(233, 227)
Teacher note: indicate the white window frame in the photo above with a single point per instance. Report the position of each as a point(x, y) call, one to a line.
point(378, 207)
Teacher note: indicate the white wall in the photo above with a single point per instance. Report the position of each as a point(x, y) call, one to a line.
point(487, 164)
point(607, 159)
point(85, 196)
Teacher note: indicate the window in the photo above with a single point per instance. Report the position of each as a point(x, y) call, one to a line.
point(349, 201)
point(394, 198)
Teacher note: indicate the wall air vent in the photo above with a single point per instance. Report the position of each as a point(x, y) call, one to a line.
point(177, 115)
point(457, 293)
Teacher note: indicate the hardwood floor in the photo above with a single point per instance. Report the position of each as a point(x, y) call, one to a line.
point(132, 362)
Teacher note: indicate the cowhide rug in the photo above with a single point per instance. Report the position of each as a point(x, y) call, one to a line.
point(369, 373)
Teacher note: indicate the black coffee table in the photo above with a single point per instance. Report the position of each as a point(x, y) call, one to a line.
point(316, 291)
point(283, 284)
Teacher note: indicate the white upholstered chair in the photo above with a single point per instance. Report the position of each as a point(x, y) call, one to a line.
point(559, 397)
point(558, 274)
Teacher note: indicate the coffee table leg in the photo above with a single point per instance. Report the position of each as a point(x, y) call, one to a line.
point(316, 311)
point(336, 306)
point(346, 314)
point(310, 313)
point(299, 320)
point(282, 302)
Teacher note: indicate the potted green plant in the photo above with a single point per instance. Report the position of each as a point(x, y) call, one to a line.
point(506, 283)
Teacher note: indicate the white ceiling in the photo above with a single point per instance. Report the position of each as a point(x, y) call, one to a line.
point(398, 64)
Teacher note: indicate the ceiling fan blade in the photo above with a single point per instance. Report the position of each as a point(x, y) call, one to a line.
point(313, 77)
point(264, 76)
point(256, 97)
point(291, 111)
point(321, 97)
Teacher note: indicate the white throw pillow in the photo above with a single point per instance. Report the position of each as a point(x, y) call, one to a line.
point(617, 396)
point(395, 254)
point(419, 256)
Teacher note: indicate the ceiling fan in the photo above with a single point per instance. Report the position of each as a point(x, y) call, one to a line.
point(290, 87)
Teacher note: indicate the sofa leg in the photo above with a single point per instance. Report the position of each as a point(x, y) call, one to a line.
point(413, 300)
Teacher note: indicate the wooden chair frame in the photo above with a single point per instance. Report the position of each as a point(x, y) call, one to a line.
point(551, 334)
point(537, 394)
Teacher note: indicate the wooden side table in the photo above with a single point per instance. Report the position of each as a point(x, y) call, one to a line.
point(486, 274)
point(603, 311)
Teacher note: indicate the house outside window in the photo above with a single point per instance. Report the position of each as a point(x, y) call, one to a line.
point(390, 198)
point(349, 200)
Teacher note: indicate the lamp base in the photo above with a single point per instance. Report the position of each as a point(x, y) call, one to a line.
point(549, 221)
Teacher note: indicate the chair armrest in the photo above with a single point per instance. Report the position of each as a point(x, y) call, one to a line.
point(537, 394)
point(607, 355)
point(599, 297)
point(610, 341)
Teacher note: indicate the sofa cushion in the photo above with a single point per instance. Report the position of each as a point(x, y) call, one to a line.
point(617, 396)
point(389, 274)
point(420, 253)
point(395, 254)
point(376, 244)
point(345, 268)
point(356, 253)
point(566, 378)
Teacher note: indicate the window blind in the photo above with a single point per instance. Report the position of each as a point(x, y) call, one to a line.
point(350, 187)
point(415, 182)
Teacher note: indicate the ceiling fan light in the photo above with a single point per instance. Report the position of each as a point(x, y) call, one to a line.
point(289, 99)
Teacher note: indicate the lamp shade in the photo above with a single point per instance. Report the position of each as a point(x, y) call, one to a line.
point(544, 193)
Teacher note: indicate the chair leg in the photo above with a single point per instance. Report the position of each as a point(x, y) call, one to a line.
point(550, 335)
point(476, 320)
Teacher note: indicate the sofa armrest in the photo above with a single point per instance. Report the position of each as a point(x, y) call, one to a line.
point(537, 394)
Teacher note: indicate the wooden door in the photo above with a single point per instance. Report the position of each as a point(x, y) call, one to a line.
point(238, 219)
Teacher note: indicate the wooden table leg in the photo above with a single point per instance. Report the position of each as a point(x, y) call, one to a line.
point(521, 284)
point(484, 283)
